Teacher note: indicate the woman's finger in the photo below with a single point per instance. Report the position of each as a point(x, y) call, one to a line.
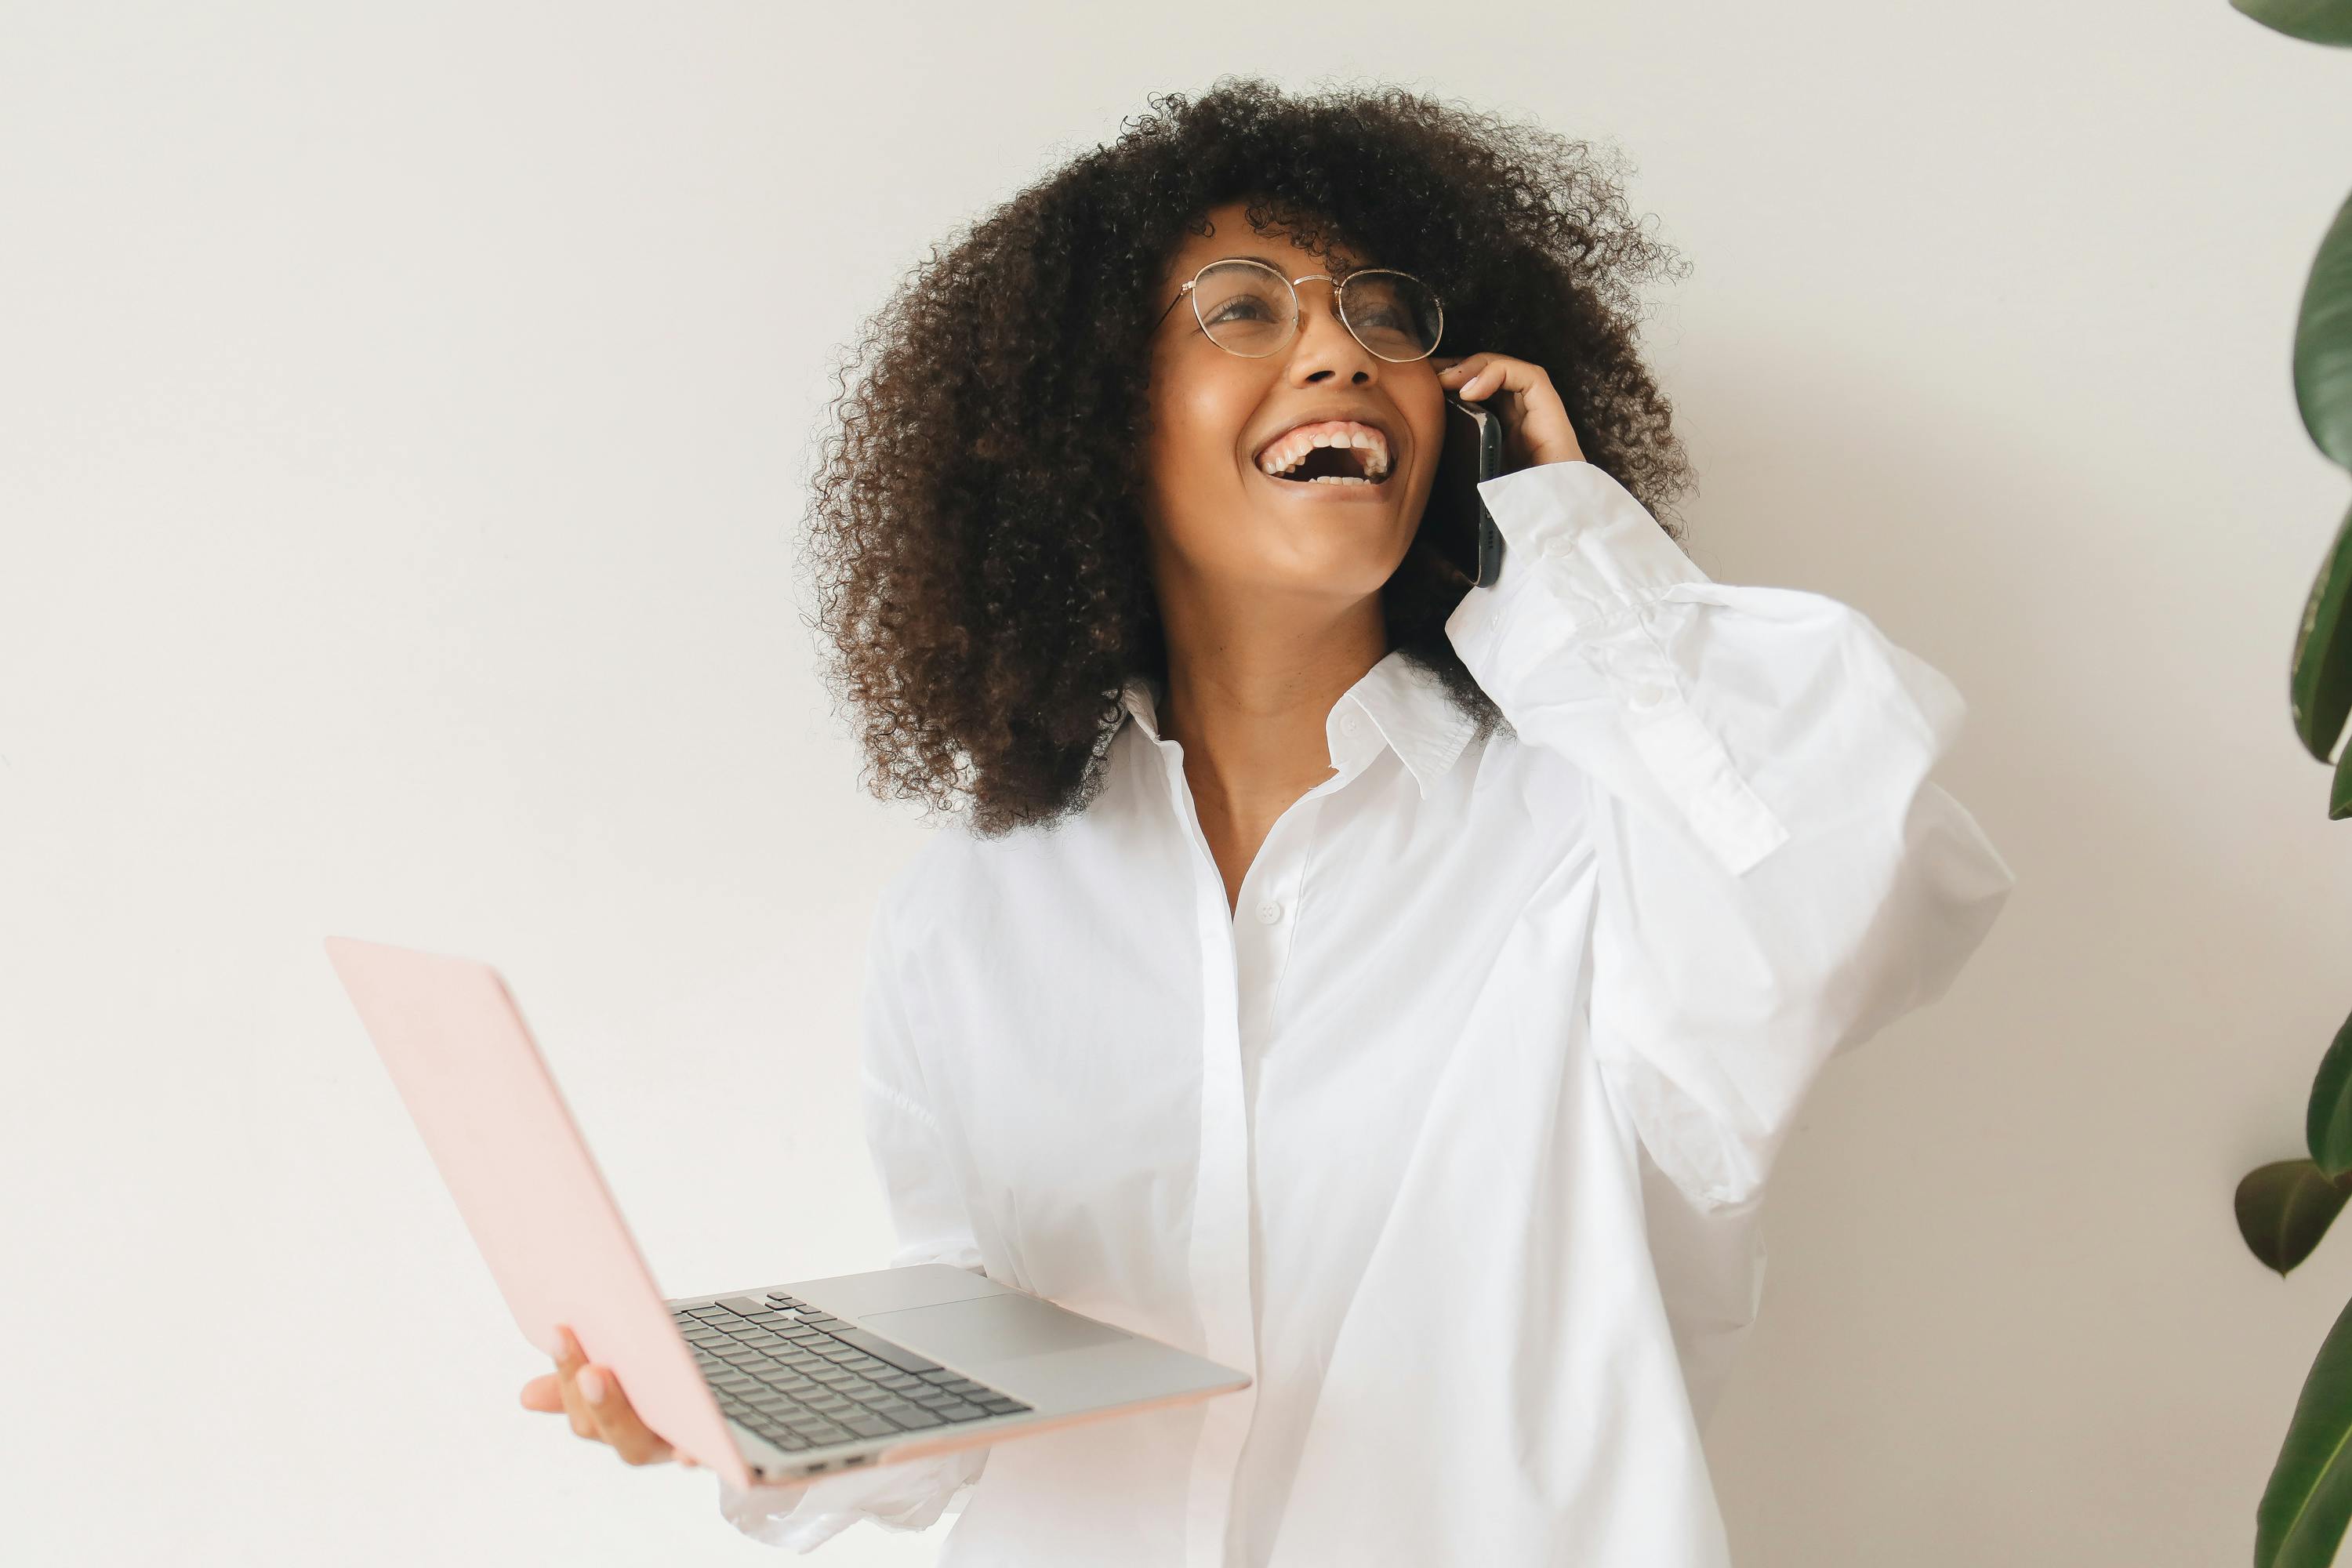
point(1535, 426)
point(617, 1419)
point(542, 1394)
point(1451, 378)
point(567, 1361)
point(1479, 375)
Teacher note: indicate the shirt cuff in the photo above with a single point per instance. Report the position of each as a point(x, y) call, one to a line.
point(1583, 563)
point(1599, 550)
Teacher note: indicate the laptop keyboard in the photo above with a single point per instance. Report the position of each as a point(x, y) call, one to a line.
point(803, 1379)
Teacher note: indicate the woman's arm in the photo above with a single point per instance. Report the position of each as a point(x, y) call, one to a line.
point(928, 1215)
point(1777, 878)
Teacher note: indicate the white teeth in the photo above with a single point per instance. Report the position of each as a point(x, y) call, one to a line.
point(1337, 479)
point(1288, 453)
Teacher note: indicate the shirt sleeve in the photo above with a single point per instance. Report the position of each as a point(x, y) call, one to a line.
point(931, 1226)
point(1778, 876)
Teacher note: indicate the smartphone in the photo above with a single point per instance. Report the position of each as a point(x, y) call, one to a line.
point(1457, 521)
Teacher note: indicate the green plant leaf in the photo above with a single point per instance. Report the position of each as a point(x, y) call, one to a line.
point(2319, 675)
point(2300, 1521)
point(2284, 1208)
point(2322, 343)
point(2339, 797)
point(2327, 1121)
point(2312, 21)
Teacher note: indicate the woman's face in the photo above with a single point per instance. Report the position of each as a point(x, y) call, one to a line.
point(1217, 517)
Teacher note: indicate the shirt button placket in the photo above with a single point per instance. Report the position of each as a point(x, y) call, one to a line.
point(1231, 958)
point(1263, 928)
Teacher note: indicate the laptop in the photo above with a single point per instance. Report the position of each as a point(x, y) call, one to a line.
point(773, 1384)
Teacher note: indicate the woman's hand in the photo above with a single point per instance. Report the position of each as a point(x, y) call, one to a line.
point(1535, 423)
point(591, 1396)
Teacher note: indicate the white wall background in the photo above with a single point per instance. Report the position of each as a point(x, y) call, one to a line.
point(403, 411)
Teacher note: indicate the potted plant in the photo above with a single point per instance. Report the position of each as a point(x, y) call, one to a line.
point(2284, 1208)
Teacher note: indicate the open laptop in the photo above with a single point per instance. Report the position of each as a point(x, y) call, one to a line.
point(773, 1384)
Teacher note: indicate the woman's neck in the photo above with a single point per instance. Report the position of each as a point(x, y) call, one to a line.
point(1249, 709)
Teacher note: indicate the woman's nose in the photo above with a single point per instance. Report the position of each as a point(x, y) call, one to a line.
point(1324, 342)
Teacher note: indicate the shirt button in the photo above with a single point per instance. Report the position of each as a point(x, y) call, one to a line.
point(1347, 724)
point(1648, 694)
point(1559, 546)
point(1269, 912)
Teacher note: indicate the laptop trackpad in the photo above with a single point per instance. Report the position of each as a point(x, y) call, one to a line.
point(989, 1327)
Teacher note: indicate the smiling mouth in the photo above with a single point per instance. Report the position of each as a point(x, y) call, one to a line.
point(1339, 452)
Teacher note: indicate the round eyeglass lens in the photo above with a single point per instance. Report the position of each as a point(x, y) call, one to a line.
point(1391, 313)
point(1244, 307)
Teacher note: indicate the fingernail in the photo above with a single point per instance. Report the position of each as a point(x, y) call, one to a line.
point(591, 1384)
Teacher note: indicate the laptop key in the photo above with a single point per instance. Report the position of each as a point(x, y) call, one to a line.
point(1002, 1406)
point(881, 1349)
point(869, 1425)
point(960, 1411)
point(913, 1417)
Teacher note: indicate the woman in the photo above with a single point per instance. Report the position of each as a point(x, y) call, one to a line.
point(1395, 989)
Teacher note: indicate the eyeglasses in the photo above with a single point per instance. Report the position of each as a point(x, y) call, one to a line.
point(1249, 309)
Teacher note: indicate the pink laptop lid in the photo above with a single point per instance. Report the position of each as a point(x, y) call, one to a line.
point(474, 1081)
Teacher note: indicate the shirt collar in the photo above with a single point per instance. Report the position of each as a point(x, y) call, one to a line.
point(1407, 705)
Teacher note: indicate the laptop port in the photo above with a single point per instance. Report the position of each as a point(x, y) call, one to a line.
point(855, 1459)
point(820, 1465)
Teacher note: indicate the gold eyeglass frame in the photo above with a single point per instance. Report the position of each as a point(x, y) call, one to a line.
point(1338, 301)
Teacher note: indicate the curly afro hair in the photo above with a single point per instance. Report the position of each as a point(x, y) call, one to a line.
point(981, 575)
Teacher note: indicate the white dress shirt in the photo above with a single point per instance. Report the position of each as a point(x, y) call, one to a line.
point(1453, 1134)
